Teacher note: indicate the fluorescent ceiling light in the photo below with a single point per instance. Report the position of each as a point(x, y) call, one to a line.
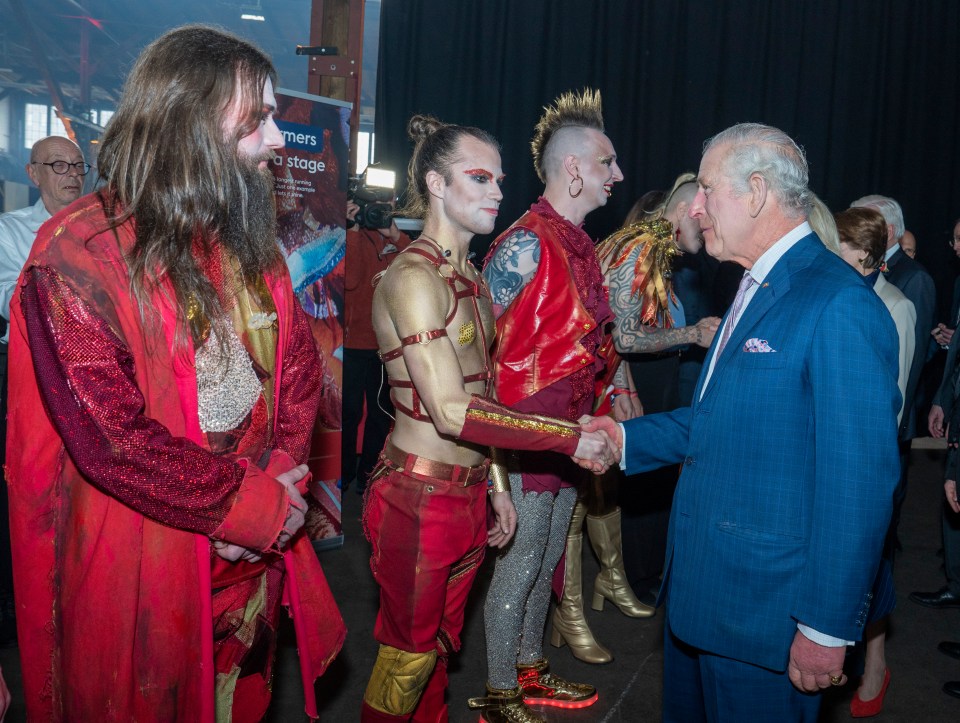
point(247, 16)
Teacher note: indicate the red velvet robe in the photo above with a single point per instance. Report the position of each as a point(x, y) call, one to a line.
point(114, 500)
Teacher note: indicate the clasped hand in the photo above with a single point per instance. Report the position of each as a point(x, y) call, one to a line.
point(600, 444)
point(296, 516)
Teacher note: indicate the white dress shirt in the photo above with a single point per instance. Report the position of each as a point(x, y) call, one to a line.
point(18, 229)
point(759, 271)
point(891, 251)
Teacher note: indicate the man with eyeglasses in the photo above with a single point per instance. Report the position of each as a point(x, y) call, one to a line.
point(164, 385)
point(57, 168)
point(943, 333)
point(943, 420)
point(944, 411)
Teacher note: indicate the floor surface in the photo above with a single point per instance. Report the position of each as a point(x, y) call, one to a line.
point(630, 686)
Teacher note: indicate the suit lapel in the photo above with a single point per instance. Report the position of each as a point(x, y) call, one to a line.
point(773, 288)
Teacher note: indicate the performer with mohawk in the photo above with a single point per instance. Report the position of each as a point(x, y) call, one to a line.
point(551, 307)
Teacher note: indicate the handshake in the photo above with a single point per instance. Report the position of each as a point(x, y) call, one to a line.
point(601, 444)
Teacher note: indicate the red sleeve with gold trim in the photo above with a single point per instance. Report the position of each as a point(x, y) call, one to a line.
point(493, 424)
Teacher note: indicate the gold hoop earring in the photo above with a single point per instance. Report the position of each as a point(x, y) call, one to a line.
point(570, 187)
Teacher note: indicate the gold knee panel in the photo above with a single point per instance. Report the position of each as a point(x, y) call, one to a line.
point(398, 679)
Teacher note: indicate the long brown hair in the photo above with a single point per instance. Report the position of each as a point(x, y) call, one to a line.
point(168, 165)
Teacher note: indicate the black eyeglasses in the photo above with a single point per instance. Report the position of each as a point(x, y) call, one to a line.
point(62, 167)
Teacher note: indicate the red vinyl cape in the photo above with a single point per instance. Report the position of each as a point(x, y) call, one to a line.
point(113, 601)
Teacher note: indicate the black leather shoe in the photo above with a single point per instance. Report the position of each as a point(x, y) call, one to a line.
point(942, 598)
point(952, 688)
point(948, 647)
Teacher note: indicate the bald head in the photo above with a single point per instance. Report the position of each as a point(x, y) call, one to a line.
point(684, 194)
point(908, 242)
point(686, 230)
point(56, 190)
point(567, 141)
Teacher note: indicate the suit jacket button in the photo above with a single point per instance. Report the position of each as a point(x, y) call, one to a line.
point(689, 461)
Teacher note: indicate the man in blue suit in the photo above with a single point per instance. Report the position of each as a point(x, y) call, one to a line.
point(789, 454)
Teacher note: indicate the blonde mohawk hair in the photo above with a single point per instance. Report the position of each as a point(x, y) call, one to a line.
point(578, 110)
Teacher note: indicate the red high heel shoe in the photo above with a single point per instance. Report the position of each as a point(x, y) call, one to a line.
point(869, 708)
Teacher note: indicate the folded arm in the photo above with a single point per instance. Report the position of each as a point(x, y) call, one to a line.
point(88, 381)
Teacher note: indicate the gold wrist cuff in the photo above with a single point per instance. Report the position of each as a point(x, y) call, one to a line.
point(499, 478)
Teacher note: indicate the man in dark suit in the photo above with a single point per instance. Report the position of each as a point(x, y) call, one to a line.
point(941, 411)
point(916, 284)
point(944, 334)
point(789, 452)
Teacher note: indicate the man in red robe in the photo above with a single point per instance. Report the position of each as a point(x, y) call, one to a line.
point(164, 386)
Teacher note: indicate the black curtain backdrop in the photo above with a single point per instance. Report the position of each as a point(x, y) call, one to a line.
point(868, 87)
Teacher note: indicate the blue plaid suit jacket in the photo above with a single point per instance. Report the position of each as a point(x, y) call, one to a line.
point(790, 463)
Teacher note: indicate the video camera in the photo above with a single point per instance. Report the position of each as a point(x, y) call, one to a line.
point(373, 192)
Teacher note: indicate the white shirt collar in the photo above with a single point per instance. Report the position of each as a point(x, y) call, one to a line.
point(891, 251)
point(772, 255)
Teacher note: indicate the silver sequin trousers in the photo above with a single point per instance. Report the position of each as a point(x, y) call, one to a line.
point(515, 612)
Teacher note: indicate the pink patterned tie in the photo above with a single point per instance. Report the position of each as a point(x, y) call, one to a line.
point(745, 283)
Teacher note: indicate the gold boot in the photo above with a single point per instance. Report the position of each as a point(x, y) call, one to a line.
point(541, 687)
point(504, 706)
point(611, 583)
point(569, 624)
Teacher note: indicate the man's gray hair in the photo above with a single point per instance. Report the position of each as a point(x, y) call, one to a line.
point(768, 151)
point(888, 208)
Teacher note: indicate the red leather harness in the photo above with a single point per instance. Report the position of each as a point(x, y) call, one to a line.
point(462, 288)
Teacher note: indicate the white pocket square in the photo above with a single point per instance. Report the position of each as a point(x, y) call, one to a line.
point(758, 345)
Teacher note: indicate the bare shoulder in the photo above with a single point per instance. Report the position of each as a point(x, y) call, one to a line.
point(412, 288)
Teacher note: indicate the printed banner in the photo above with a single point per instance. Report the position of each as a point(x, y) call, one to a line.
point(311, 189)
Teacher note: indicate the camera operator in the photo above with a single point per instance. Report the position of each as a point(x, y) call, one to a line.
point(369, 251)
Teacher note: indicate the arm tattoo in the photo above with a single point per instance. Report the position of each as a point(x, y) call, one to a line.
point(620, 380)
point(512, 266)
point(630, 336)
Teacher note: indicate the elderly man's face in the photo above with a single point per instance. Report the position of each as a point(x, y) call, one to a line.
point(57, 191)
point(724, 218)
point(260, 144)
point(908, 243)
